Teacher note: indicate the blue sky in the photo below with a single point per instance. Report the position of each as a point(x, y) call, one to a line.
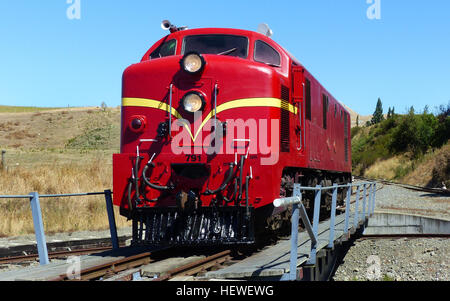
point(49, 60)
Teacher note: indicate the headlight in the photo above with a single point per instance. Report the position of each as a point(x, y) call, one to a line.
point(193, 63)
point(193, 102)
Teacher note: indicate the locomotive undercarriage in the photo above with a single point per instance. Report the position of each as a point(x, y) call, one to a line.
point(281, 223)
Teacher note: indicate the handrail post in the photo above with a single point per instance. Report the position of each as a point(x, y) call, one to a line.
point(111, 219)
point(356, 220)
point(294, 234)
point(170, 110)
point(333, 216)
point(312, 257)
point(39, 229)
point(374, 197)
point(347, 209)
point(369, 209)
point(364, 202)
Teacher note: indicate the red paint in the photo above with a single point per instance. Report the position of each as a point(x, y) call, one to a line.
point(237, 78)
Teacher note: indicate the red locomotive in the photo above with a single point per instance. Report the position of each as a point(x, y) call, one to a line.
point(217, 124)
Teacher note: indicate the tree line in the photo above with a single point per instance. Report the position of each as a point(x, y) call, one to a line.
point(413, 132)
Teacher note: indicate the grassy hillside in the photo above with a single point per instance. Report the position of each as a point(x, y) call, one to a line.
point(400, 147)
point(54, 152)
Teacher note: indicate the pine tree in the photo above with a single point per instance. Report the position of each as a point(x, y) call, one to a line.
point(378, 114)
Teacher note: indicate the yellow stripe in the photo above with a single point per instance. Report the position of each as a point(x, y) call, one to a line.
point(239, 103)
point(149, 103)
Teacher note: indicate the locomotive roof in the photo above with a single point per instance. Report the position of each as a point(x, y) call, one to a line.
point(231, 31)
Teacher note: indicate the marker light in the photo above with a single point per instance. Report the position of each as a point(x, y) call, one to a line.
point(138, 123)
point(193, 63)
point(193, 102)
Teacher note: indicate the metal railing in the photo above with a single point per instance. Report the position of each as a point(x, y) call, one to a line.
point(299, 212)
point(39, 225)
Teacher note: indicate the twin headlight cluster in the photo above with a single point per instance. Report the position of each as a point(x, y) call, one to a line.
point(193, 63)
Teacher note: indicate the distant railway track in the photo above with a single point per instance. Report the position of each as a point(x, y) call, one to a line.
point(407, 236)
point(32, 257)
point(410, 187)
point(27, 253)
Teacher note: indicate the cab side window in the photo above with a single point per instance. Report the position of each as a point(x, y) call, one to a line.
point(264, 53)
point(308, 98)
point(166, 49)
point(325, 102)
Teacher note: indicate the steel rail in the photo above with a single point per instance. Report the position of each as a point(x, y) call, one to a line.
point(197, 266)
point(110, 268)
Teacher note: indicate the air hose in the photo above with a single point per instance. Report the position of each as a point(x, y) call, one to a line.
point(151, 185)
point(224, 184)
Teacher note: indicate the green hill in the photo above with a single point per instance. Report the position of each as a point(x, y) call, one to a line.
point(396, 147)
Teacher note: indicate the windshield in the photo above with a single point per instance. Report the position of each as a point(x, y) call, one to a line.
point(217, 44)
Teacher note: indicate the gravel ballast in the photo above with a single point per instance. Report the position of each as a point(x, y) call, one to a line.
point(401, 259)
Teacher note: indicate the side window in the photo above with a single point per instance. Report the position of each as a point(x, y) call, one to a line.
point(325, 110)
point(308, 99)
point(166, 49)
point(264, 53)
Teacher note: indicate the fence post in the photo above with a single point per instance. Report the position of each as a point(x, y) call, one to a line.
point(347, 209)
point(333, 216)
point(112, 220)
point(294, 238)
point(3, 163)
point(39, 229)
point(356, 220)
point(312, 256)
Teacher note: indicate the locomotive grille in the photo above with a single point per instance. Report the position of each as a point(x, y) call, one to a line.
point(204, 226)
point(285, 121)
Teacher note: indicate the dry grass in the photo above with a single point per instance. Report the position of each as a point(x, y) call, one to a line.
point(385, 169)
point(433, 170)
point(62, 214)
point(39, 158)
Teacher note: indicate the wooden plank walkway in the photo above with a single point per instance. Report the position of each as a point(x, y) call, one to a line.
point(274, 261)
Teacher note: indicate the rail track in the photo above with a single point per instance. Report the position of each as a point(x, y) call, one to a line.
point(27, 253)
point(54, 255)
point(125, 269)
point(110, 269)
point(408, 236)
point(410, 187)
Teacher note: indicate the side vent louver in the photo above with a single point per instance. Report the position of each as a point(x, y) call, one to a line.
point(346, 136)
point(285, 120)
